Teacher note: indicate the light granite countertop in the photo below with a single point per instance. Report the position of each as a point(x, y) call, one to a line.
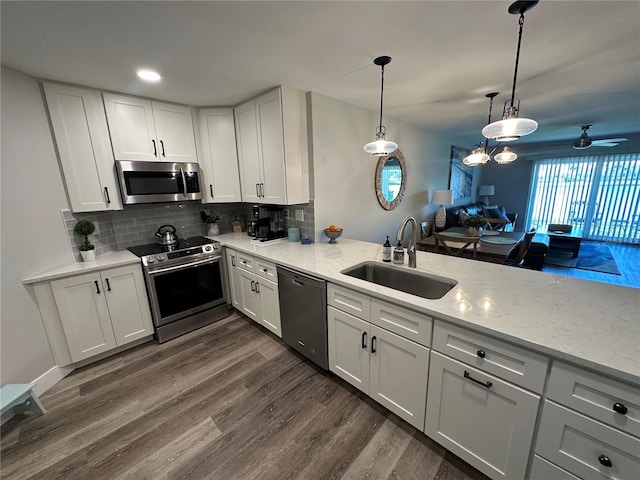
point(108, 260)
point(595, 325)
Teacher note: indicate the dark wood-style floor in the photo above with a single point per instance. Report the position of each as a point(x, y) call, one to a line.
point(229, 401)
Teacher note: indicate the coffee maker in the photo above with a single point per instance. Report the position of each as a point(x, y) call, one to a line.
point(268, 222)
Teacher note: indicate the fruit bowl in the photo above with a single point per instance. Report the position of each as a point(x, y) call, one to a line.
point(333, 234)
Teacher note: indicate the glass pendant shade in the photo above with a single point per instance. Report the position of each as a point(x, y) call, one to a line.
point(477, 157)
point(505, 156)
point(381, 146)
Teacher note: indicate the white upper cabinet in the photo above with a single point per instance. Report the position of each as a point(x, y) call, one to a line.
point(219, 158)
point(145, 130)
point(271, 134)
point(82, 140)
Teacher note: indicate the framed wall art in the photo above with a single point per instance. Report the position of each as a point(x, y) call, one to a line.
point(460, 175)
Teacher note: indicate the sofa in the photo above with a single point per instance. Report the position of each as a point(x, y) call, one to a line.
point(534, 259)
point(478, 208)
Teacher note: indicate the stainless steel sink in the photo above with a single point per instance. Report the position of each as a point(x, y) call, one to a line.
point(419, 284)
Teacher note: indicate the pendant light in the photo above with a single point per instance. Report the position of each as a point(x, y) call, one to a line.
point(479, 155)
point(381, 146)
point(512, 127)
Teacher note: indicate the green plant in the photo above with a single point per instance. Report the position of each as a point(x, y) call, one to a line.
point(476, 221)
point(236, 219)
point(85, 228)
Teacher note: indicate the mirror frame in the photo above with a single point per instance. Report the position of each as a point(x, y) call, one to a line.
point(384, 203)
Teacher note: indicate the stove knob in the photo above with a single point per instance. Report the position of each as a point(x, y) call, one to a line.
point(151, 260)
point(216, 246)
point(207, 248)
point(161, 258)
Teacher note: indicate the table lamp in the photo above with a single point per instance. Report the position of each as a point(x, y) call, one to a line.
point(486, 191)
point(442, 198)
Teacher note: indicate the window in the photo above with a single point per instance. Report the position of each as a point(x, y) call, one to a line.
point(600, 195)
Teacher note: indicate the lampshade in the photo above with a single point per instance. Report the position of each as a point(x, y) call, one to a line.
point(505, 156)
point(477, 157)
point(442, 197)
point(487, 190)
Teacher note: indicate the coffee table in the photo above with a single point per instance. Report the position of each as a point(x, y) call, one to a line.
point(565, 241)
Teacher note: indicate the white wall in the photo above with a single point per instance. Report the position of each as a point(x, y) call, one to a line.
point(32, 235)
point(344, 174)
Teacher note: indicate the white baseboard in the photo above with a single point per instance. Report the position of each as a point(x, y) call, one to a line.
point(49, 378)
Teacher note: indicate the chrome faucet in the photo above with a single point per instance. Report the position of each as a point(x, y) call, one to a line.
point(411, 248)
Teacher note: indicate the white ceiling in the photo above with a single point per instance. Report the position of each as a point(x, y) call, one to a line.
point(580, 60)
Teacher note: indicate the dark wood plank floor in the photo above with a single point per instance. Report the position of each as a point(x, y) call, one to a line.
point(229, 401)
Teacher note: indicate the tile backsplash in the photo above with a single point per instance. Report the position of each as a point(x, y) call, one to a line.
point(137, 224)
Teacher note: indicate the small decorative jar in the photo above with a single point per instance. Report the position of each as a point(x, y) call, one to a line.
point(213, 229)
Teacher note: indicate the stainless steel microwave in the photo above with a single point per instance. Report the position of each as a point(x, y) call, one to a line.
point(154, 182)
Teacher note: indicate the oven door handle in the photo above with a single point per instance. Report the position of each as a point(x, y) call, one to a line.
point(182, 266)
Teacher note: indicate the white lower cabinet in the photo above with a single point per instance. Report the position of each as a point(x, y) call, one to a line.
point(484, 420)
point(102, 310)
point(389, 368)
point(543, 470)
point(252, 290)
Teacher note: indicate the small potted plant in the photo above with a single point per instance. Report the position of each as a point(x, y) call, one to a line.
point(236, 222)
point(87, 249)
point(474, 223)
point(213, 223)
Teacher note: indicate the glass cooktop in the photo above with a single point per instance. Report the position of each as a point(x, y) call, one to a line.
point(154, 248)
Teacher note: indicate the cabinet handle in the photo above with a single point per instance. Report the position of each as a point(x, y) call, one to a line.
point(364, 340)
point(265, 270)
point(253, 286)
point(108, 286)
point(211, 190)
point(155, 150)
point(162, 145)
point(484, 384)
point(233, 260)
point(262, 190)
point(620, 408)
point(257, 287)
point(257, 190)
point(97, 287)
point(106, 194)
point(605, 461)
point(481, 353)
point(373, 344)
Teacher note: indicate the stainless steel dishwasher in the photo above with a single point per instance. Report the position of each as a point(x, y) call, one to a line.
point(303, 314)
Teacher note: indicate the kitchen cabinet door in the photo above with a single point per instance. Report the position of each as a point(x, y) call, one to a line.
point(398, 375)
point(84, 315)
point(133, 132)
point(348, 338)
point(219, 162)
point(174, 132)
point(484, 420)
point(248, 298)
point(249, 159)
point(268, 108)
point(269, 312)
point(234, 281)
point(127, 302)
point(82, 140)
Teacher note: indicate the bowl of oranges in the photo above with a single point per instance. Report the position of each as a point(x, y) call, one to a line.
point(333, 232)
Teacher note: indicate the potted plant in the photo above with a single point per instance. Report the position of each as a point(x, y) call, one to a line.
point(474, 223)
point(236, 222)
point(212, 221)
point(87, 249)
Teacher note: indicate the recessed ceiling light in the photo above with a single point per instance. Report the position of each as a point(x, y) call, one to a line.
point(148, 75)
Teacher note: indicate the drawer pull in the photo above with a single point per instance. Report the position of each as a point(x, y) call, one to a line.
point(620, 408)
point(481, 353)
point(605, 461)
point(484, 384)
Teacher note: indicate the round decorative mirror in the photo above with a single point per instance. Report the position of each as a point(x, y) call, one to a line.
point(391, 179)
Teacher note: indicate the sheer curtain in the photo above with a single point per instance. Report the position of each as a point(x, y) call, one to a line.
point(600, 195)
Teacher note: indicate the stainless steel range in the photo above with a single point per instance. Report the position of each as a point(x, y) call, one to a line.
point(185, 285)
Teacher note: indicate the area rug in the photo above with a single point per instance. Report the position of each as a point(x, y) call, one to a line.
point(591, 257)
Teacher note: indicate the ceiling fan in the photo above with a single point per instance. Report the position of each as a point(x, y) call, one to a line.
point(584, 141)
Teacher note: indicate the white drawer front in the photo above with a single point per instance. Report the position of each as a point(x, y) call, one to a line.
point(357, 304)
point(266, 270)
point(406, 323)
point(490, 425)
point(512, 363)
point(596, 396)
point(246, 262)
point(578, 444)
point(543, 470)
